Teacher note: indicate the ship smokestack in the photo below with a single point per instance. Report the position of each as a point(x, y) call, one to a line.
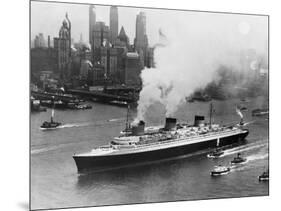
point(170, 123)
point(199, 121)
point(138, 129)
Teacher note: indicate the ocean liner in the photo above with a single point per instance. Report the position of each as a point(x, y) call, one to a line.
point(143, 144)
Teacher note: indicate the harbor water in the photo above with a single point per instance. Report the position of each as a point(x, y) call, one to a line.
point(55, 182)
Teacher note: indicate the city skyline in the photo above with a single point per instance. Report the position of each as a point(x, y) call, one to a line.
point(240, 28)
point(40, 11)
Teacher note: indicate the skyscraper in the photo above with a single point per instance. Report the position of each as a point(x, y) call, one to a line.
point(100, 37)
point(92, 22)
point(132, 69)
point(113, 25)
point(62, 45)
point(49, 41)
point(39, 41)
point(141, 41)
point(123, 39)
point(100, 34)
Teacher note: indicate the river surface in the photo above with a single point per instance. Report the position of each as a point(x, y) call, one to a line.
point(55, 182)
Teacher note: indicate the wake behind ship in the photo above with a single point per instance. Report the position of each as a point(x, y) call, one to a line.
point(146, 144)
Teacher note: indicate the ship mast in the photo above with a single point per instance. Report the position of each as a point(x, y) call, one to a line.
point(211, 112)
point(127, 118)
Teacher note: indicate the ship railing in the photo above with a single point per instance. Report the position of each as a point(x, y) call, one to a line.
point(193, 137)
point(102, 148)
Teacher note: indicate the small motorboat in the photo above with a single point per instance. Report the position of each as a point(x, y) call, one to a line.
point(220, 170)
point(216, 153)
point(238, 159)
point(264, 176)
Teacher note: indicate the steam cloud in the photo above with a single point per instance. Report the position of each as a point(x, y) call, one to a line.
point(238, 111)
point(192, 48)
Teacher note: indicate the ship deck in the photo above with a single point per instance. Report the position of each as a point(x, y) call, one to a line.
point(158, 145)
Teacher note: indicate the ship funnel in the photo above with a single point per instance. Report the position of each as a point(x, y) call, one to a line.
point(138, 130)
point(199, 121)
point(170, 123)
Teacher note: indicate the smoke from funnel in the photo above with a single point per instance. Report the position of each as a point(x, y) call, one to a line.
point(196, 45)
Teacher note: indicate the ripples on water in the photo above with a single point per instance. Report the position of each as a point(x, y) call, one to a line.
point(55, 182)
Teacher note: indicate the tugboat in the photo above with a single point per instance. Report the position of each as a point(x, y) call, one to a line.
point(50, 125)
point(220, 170)
point(264, 176)
point(238, 159)
point(216, 153)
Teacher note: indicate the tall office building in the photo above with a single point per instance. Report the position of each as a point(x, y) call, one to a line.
point(92, 22)
point(100, 37)
point(49, 41)
point(113, 24)
point(141, 41)
point(62, 45)
point(39, 41)
point(132, 69)
point(123, 39)
point(100, 34)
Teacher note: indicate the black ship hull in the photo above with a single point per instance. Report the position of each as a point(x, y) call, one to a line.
point(105, 162)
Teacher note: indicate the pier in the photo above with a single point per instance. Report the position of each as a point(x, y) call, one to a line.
point(53, 96)
point(102, 96)
point(77, 95)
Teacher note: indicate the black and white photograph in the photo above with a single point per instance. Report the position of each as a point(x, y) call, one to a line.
point(136, 105)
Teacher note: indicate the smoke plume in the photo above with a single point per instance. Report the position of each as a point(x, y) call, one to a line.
point(238, 111)
point(193, 46)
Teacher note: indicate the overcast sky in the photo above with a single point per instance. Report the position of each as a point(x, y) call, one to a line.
point(47, 18)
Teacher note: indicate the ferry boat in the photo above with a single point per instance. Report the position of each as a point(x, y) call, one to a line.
point(141, 144)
